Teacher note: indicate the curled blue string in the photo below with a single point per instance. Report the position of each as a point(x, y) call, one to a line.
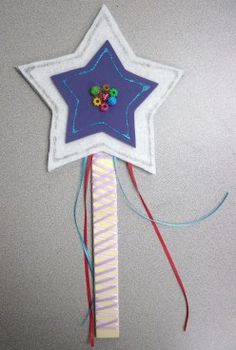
point(85, 250)
point(163, 222)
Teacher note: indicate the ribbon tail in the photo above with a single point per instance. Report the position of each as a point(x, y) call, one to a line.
point(86, 264)
point(164, 222)
point(78, 231)
point(162, 242)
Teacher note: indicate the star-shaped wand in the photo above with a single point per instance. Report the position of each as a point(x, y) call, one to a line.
point(103, 99)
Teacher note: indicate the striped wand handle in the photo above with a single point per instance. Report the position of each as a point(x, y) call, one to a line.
point(105, 246)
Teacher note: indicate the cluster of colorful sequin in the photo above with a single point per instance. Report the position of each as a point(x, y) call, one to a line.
point(104, 97)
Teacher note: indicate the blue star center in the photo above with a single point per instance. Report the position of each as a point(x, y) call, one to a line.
point(83, 118)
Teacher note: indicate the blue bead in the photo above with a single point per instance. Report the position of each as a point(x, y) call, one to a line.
point(112, 100)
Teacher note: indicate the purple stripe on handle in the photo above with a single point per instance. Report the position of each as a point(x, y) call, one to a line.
point(113, 297)
point(108, 228)
point(98, 198)
point(100, 174)
point(102, 233)
point(104, 280)
point(104, 324)
point(104, 262)
point(106, 271)
point(103, 218)
point(107, 205)
point(111, 328)
point(111, 238)
point(106, 289)
point(102, 166)
point(103, 184)
point(102, 179)
point(112, 246)
point(111, 306)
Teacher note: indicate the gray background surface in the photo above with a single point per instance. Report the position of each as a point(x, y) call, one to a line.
point(42, 283)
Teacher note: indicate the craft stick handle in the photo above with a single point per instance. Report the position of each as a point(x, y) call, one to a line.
point(105, 246)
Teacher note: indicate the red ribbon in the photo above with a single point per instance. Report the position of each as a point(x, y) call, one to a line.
point(163, 244)
point(86, 266)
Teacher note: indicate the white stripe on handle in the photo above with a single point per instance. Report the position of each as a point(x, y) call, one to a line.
point(105, 246)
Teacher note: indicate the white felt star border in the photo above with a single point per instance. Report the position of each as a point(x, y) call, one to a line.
point(39, 75)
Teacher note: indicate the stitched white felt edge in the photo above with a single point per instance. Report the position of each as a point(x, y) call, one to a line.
point(38, 74)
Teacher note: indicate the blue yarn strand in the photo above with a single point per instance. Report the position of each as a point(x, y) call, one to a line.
point(78, 231)
point(163, 222)
point(86, 316)
point(85, 250)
